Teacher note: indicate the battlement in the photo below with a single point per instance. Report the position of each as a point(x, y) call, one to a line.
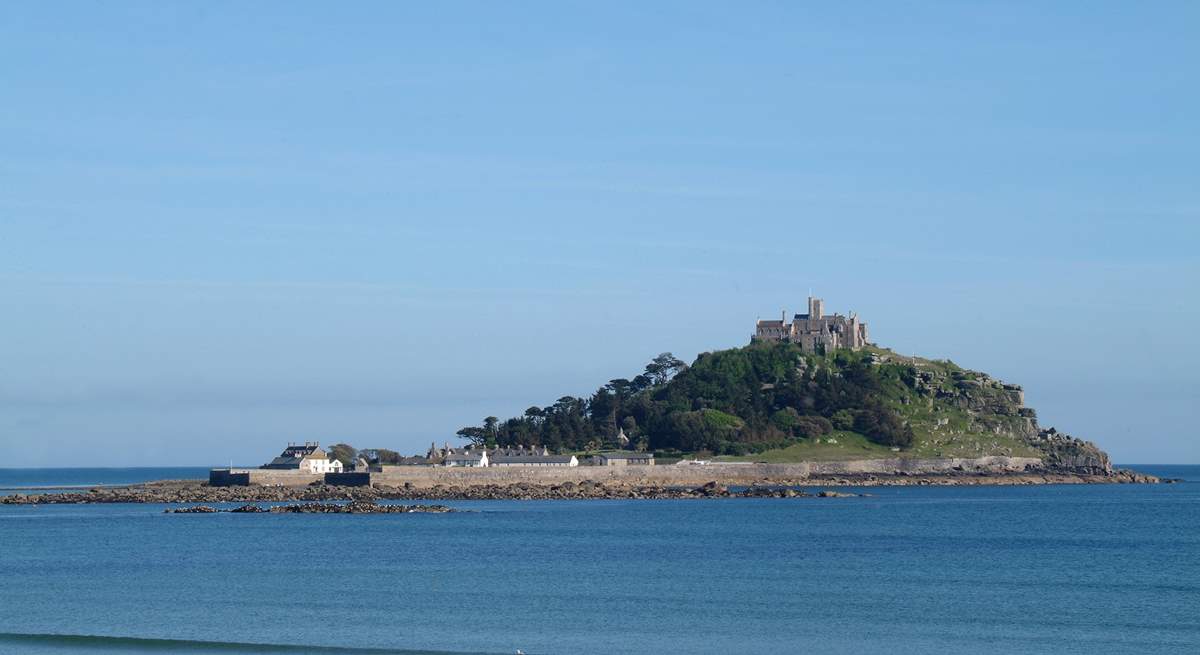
point(814, 331)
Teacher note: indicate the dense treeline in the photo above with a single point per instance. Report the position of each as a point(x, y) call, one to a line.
point(728, 402)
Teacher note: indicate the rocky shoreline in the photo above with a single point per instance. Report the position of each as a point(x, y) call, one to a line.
point(192, 491)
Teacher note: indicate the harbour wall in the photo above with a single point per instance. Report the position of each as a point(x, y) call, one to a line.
point(262, 477)
point(726, 472)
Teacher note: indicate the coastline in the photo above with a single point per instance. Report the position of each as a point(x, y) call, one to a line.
point(728, 486)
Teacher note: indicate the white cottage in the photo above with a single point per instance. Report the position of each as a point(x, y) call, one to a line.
point(306, 458)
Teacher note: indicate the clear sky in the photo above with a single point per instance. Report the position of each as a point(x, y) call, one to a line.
point(224, 226)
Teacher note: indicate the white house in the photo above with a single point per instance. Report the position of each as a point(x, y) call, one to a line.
point(307, 458)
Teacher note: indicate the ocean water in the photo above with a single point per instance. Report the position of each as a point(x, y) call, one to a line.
point(1049, 569)
point(58, 479)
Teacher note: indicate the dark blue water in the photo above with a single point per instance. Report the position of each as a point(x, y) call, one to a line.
point(51, 479)
point(1051, 569)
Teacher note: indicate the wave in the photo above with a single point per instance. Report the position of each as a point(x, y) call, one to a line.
point(98, 643)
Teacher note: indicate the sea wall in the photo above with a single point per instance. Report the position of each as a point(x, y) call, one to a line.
point(263, 477)
point(729, 472)
point(726, 472)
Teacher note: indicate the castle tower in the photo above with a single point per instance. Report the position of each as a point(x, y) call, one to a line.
point(816, 308)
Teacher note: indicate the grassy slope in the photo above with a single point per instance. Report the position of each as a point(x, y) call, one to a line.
point(940, 428)
point(850, 445)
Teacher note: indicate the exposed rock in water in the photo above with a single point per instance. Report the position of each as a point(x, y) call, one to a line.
point(772, 492)
point(359, 507)
point(824, 493)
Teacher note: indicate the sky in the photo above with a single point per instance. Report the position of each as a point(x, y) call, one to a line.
point(225, 226)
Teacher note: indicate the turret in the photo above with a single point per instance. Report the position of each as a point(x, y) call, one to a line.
point(816, 308)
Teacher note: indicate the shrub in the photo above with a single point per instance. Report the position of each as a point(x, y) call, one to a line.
point(812, 426)
point(842, 419)
point(881, 425)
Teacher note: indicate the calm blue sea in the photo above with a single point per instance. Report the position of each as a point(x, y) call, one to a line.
point(55, 479)
point(1050, 569)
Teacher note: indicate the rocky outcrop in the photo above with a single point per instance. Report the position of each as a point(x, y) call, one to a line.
point(999, 408)
point(1066, 453)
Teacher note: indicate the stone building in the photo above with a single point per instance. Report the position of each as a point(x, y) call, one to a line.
point(624, 458)
point(306, 458)
point(815, 331)
point(472, 458)
point(534, 460)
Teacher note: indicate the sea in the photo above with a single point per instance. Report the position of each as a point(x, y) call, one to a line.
point(1037, 569)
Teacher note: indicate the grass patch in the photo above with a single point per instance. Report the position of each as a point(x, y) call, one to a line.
point(850, 445)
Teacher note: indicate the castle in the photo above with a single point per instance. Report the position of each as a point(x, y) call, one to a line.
point(815, 331)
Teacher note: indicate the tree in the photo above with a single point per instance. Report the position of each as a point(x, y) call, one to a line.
point(661, 369)
point(477, 436)
point(630, 425)
point(603, 409)
point(491, 430)
point(380, 455)
point(734, 401)
point(881, 425)
point(344, 453)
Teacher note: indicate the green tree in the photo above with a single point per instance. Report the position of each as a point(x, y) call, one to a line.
point(344, 453)
point(380, 455)
point(664, 367)
point(476, 436)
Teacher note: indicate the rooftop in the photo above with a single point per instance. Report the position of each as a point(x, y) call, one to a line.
point(532, 459)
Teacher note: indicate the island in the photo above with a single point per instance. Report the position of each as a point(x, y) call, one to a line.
point(808, 402)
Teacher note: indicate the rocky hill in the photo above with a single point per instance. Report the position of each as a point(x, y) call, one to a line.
point(774, 402)
point(955, 411)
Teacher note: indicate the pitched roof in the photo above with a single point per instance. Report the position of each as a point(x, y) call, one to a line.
point(627, 455)
point(283, 463)
point(532, 459)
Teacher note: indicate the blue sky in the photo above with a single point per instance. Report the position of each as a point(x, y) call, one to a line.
point(224, 226)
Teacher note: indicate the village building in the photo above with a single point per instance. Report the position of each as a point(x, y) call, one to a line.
point(520, 451)
point(535, 460)
point(306, 458)
point(469, 458)
point(815, 331)
point(624, 458)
